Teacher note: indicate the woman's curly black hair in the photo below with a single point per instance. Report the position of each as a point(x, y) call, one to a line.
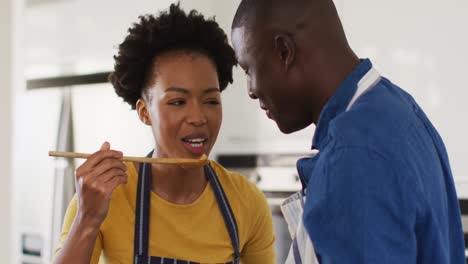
point(169, 31)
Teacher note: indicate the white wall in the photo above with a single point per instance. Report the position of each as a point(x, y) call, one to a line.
point(78, 36)
point(422, 47)
point(6, 83)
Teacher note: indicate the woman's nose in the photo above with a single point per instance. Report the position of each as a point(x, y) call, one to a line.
point(196, 116)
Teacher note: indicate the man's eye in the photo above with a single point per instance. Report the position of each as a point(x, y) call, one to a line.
point(213, 102)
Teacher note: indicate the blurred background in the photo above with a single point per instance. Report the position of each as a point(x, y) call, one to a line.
point(54, 56)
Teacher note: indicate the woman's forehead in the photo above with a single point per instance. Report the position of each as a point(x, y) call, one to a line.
point(183, 71)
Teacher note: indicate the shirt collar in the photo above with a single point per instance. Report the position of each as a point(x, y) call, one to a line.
point(338, 102)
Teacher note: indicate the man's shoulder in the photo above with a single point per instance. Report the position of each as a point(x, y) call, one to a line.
point(379, 119)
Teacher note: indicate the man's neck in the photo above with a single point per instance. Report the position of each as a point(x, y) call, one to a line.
point(333, 71)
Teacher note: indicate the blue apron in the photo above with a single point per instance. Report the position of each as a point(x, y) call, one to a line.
point(143, 212)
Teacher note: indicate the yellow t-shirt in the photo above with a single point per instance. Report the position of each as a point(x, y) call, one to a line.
point(194, 232)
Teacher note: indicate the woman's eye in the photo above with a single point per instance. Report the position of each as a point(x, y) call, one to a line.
point(177, 102)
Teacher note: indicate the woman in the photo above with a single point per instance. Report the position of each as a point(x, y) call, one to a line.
point(171, 69)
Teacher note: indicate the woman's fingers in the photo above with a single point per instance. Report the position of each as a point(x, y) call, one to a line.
point(105, 146)
point(108, 164)
point(114, 182)
point(97, 157)
point(110, 174)
point(96, 179)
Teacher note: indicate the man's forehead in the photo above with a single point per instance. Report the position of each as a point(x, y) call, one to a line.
point(242, 39)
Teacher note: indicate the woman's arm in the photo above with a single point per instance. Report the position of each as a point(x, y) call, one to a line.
point(96, 179)
point(80, 241)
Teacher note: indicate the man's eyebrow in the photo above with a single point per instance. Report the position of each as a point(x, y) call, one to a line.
point(211, 90)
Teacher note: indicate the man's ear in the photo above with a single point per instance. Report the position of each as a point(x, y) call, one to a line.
point(142, 110)
point(285, 49)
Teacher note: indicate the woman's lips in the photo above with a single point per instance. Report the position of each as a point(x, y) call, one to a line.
point(196, 146)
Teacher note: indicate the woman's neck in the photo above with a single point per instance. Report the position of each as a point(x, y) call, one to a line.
point(178, 184)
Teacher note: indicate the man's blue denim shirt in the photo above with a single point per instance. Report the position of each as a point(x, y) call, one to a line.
point(381, 188)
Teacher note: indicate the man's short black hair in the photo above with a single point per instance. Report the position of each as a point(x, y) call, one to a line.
point(171, 30)
point(245, 12)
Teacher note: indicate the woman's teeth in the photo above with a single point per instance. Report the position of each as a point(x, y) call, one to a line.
point(196, 142)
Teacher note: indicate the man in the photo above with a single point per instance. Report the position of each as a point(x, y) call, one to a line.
point(380, 190)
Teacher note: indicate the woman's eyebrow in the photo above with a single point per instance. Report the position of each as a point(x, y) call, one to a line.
point(177, 90)
point(187, 91)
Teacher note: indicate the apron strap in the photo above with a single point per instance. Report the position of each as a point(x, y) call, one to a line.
point(142, 213)
point(226, 210)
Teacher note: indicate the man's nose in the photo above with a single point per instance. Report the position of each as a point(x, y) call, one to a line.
point(250, 89)
point(252, 94)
